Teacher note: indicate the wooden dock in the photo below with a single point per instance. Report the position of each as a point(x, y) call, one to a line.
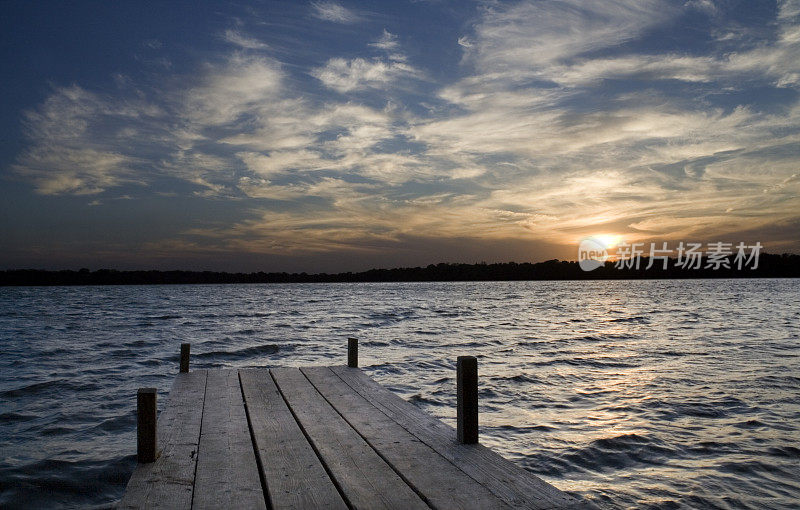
point(316, 437)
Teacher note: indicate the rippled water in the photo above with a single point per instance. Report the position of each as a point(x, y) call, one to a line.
point(634, 394)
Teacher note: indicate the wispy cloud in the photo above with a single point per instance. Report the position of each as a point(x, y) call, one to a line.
point(243, 41)
point(228, 92)
point(387, 41)
point(75, 139)
point(345, 75)
point(334, 12)
point(528, 35)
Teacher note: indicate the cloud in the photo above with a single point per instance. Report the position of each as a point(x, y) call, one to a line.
point(358, 74)
point(79, 172)
point(238, 39)
point(533, 34)
point(233, 90)
point(559, 42)
point(278, 162)
point(387, 41)
point(152, 44)
point(75, 136)
point(333, 12)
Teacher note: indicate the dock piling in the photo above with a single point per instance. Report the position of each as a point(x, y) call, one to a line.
point(467, 396)
point(146, 410)
point(352, 352)
point(184, 358)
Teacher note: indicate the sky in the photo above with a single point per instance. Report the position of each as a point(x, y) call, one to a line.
point(337, 136)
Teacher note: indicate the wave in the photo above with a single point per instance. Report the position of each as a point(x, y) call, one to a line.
point(519, 378)
point(33, 389)
point(637, 319)
point(12, 417)
point(246, 352)
point(617, 452)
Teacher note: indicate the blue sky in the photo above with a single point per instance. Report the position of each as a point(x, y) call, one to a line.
point(326, 136)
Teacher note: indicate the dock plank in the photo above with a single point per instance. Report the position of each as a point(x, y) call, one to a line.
point(365, 479)
point(294, 475)
point(509, 482)
point(227, 473)
point(169, 481)
point(441, 484)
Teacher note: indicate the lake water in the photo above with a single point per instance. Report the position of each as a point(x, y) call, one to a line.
point(633, 394)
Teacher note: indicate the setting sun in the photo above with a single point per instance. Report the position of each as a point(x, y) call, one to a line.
point(608, 240)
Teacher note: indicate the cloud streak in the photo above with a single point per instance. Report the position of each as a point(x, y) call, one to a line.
point(334, 12)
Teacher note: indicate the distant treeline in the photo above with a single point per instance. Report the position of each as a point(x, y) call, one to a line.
point(769, 266)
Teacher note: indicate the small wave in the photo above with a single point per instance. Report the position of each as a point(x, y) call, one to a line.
point(589, 338)
point(618, 452)
point(784, 451)
point(247, 352)
point(779, 381)
point(522, 428)
point(56, 431)
point(141, 343)
point(751, 468)
point(712, 448)
point(669, 353)
point(710, 409)
point(32, 389)
point(447, 313)
point(374, 343)
point(122, 353)
point(750, 424)
point(126, 421)
point(584, 362)
point(475, 345)
point(419, 399)
point(58, 351)
point(637, 319)
point(519, 378)
point(16, 417)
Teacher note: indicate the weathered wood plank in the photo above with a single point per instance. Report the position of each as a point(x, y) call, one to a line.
point(365, 479)
point(169, 481)
point(227, 473)
point(441, 484)
point(511, 483)
point(294, 475)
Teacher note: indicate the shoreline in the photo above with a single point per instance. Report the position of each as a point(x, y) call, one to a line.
point(770, 266)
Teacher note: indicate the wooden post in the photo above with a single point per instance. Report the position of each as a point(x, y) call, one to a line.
point(352, 352)
point(184, 358)
point(146, 443)
point(467, 395)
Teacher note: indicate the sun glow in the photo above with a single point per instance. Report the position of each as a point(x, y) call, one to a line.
point(608, 240)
